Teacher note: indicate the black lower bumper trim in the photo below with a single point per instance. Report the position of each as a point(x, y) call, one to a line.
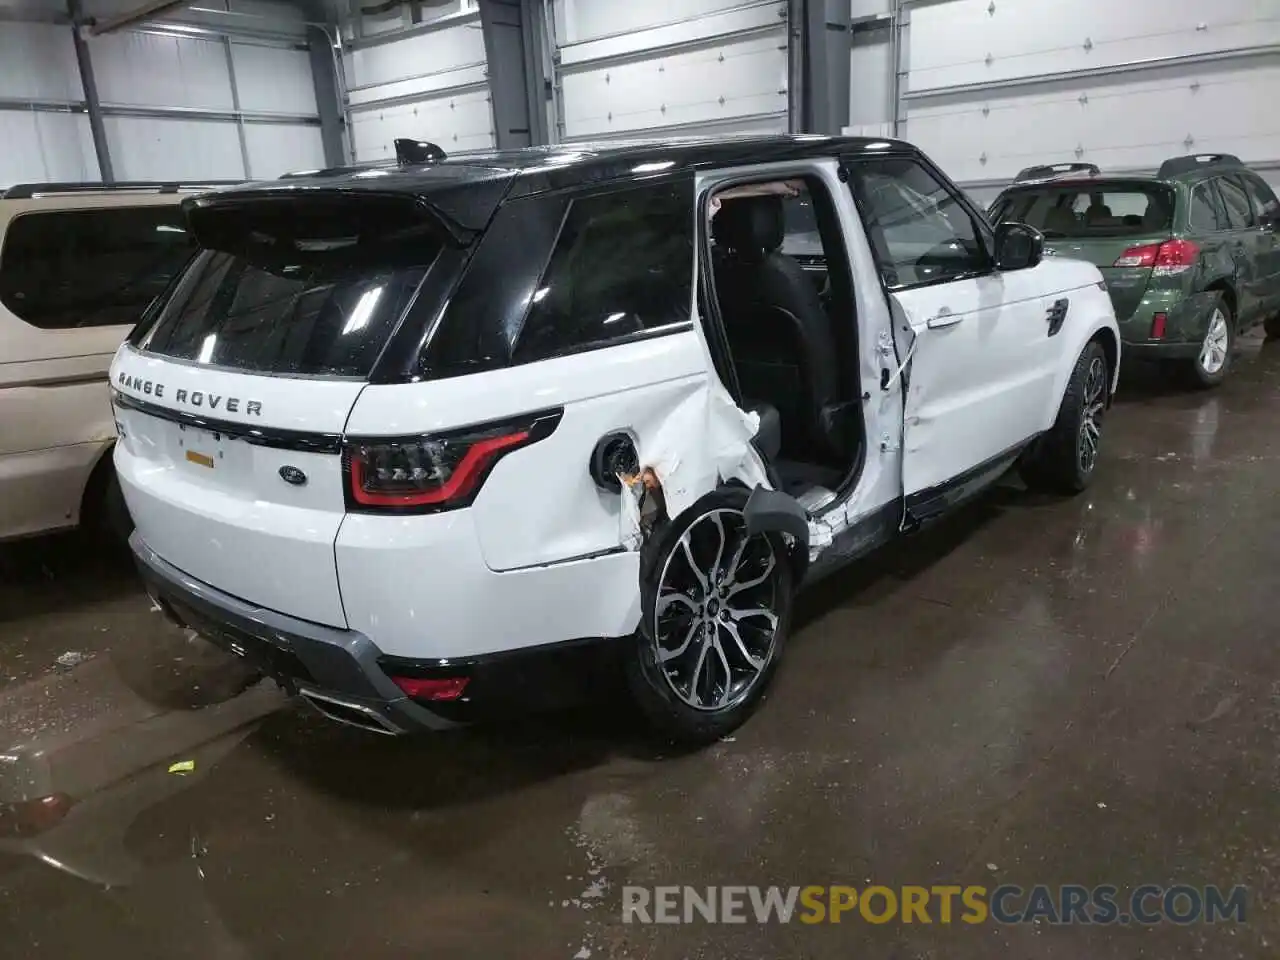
point(343, 674)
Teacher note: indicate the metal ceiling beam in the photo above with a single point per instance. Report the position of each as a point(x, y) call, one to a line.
point(144, 12)
point(93, 105)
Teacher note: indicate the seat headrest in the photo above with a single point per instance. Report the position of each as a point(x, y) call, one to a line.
point(751, 226)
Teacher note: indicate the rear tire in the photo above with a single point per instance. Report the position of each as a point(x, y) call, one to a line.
point(104, 516)
point(1064, 459)
point(1212, 363)
point(716, 612)
point(116, 521)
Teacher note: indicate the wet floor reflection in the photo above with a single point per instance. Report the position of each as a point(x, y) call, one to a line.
point(1035, 691)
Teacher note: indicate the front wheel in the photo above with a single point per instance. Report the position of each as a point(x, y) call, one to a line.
point(1063, 460)
point(717, 609)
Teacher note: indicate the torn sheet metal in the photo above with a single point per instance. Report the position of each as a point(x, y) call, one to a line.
point(699, 444)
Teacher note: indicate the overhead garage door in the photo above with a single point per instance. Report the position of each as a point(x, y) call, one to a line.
point(670, 67)
point(995, 87)
point(428, 83)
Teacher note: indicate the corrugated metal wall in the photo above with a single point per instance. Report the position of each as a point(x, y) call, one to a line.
point(698, 66)
point(44, 137)
point(424, 80)
point(181, 99)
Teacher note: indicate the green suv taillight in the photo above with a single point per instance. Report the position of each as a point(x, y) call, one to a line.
point(1167, 258)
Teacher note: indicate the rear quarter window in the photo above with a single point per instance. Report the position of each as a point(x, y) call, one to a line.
point(61, 269)
point(613, 266)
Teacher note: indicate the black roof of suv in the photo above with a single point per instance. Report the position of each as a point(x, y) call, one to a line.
point(465, 190)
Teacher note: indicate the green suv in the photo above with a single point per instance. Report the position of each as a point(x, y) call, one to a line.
point(1191, 256)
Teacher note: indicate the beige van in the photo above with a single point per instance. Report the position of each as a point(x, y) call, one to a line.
point(79, 263)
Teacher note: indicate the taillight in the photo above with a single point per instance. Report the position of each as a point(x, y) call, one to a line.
point(1164, 259)
point(1157, 325)
point(432, 688)
point(439, 472)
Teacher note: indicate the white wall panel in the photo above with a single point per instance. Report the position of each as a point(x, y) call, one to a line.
point(1121, 125)
point(951, 41)
point(44, 146)
point(147, 149)
point(273, 80)
point(722, 67)
point(38, 62)
point(589, 19)
point(427, 53)
point(432, 86)
point(869, 80)
point(457, 122)
point(992, 91)
point(143, 69)
point(276, 148)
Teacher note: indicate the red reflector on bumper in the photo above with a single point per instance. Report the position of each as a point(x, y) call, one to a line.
point(432, 688)
point(1157, 326)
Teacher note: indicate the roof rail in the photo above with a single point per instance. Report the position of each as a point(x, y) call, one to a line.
point(1052, 171)
point(26, 191)
point(1197, 161)
point(418, 151)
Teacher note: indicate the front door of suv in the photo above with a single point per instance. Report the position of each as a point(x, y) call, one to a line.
point(1248, 246)
point(981, 368)
point(1266, 210)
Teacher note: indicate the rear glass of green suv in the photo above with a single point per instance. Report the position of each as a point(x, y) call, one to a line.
point(1090, 209)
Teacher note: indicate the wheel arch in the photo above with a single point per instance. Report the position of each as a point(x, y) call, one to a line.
point(95, 483)
point(1227, 288)
point(1111, 348)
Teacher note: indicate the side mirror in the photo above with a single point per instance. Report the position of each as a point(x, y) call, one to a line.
point(1018, 246)
point(1269, 219)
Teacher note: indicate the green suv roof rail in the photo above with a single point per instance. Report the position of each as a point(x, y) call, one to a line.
point(1176, 166)
point(1051, 171)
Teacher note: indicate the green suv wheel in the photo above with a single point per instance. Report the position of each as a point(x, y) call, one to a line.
point(1210, 366)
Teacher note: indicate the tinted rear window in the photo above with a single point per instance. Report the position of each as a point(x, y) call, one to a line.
point(90, 268)
point(1095, 210)
point(311, 293)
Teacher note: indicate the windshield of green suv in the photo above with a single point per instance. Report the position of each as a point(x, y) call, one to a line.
point(1083, 210)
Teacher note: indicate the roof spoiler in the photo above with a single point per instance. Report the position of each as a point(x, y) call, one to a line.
point(1051, 171)
point(1176, 165)
point(418, 151)
point(26, 191)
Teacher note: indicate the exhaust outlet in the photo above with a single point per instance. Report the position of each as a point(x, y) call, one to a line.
point(350, 713)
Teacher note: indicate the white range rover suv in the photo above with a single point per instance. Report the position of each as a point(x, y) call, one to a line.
point(428, 440)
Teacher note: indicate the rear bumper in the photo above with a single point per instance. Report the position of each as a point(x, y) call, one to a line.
point(344, 675)
point(1158, 350)
point(1186, 323)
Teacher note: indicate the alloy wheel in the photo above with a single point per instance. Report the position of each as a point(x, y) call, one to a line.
point(1095, 402)
point(717, 612)
point(1213, 354)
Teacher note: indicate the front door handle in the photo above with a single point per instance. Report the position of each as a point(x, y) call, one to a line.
point(944, 318)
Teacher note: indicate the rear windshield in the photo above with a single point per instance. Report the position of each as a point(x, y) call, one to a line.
point(1089, 210)
point(316, 294)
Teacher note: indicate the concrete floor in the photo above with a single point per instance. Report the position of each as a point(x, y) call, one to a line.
point(1037, 691)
